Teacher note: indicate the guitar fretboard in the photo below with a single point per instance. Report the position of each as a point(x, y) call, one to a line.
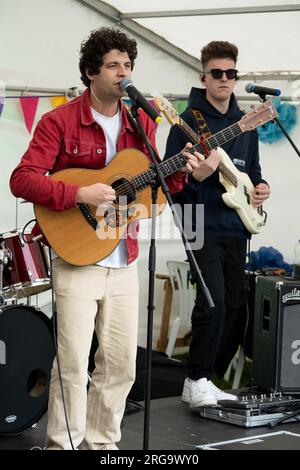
point(178, 161)
point(214, 141)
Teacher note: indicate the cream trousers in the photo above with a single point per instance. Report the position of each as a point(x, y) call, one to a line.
point(88, 298)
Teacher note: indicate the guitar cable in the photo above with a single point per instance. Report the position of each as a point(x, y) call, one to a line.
point(247, 290)
point(54, 327)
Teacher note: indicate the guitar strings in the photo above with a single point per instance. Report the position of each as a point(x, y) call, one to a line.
point(227, 134)
point(172, 160)
point(147, 175)
point(212, 142)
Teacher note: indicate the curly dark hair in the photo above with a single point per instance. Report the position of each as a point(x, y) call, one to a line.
point(99, 42)
point(218, 50)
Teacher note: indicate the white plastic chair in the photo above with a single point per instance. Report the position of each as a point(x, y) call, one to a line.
point(237, 364)
point(183, 295)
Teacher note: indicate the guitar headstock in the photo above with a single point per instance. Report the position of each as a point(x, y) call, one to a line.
point(167, 109)
point(263, 113)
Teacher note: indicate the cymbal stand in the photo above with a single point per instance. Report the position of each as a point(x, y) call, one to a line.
point(5, 256)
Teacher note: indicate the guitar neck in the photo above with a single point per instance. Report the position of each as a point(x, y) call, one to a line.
point(167, 168)
point(178, 161)
point(213, 142)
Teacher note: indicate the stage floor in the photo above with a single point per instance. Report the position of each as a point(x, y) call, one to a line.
point(173, 426)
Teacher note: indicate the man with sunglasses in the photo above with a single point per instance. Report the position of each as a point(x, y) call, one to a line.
point(222, 257)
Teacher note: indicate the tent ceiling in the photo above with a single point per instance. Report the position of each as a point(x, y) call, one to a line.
point(265, 32)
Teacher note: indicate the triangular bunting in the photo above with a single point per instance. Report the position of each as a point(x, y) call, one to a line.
point(180, 106)
point(58, 100)
point(29, 105)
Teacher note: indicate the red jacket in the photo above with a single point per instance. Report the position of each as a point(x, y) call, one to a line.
point(69, 137)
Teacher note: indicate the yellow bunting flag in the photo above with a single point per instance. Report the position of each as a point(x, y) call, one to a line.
point(58, 100)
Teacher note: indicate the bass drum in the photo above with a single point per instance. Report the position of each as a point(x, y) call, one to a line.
point(26, 355)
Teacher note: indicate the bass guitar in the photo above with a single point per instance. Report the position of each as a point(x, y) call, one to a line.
point(237, 183)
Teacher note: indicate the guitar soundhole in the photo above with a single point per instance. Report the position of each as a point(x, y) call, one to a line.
point(125, 191)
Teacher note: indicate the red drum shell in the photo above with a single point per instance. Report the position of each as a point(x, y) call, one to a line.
point(27, 271)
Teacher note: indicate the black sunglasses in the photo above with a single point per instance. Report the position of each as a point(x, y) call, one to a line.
point(218, 73)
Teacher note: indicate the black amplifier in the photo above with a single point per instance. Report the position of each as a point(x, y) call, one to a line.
point(276, 340)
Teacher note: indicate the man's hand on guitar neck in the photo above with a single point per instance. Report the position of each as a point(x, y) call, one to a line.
point(260, 193)
point(95, 194)
point(207, 166)
point(192, 160)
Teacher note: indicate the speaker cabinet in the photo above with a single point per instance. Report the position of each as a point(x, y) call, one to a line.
point(276, 342)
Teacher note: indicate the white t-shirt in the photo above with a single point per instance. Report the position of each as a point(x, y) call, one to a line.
point(111, 127)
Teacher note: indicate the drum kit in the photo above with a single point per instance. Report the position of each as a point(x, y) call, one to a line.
point(26, 335)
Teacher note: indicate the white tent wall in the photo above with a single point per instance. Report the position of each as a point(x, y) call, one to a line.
point(39, 43)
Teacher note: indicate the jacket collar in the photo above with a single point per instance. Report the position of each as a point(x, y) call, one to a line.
point(87, 117)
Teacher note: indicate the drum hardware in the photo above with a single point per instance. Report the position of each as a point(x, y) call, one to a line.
point(5, 256)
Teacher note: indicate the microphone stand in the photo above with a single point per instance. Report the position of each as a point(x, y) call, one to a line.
point(160, 181)
point(263, 98)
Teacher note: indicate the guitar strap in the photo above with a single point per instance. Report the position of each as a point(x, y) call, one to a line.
point(129, 115)
point(203, 129)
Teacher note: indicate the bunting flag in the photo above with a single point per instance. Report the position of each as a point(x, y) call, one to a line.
point(180, 106)
point(29, 105)
point(58, 100)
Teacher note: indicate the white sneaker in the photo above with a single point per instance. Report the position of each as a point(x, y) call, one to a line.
point(185, 397)
point(200, 394)
point(212, 388)
point(218, 393)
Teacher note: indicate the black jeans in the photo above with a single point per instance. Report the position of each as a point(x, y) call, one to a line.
point(222, 263)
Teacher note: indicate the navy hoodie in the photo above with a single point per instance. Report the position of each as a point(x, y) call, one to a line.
point(219, 219)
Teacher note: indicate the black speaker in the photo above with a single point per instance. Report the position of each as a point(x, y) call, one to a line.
point(276, 342)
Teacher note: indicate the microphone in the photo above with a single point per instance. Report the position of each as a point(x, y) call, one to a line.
point(139, 100)
point(262, 90)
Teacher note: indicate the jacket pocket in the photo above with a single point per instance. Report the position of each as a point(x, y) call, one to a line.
point(75, 149)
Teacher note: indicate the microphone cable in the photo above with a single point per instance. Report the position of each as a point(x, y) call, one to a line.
point(54, 326)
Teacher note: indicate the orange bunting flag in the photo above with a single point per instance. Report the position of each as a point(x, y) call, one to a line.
point(58, 100)
point(29, 105)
